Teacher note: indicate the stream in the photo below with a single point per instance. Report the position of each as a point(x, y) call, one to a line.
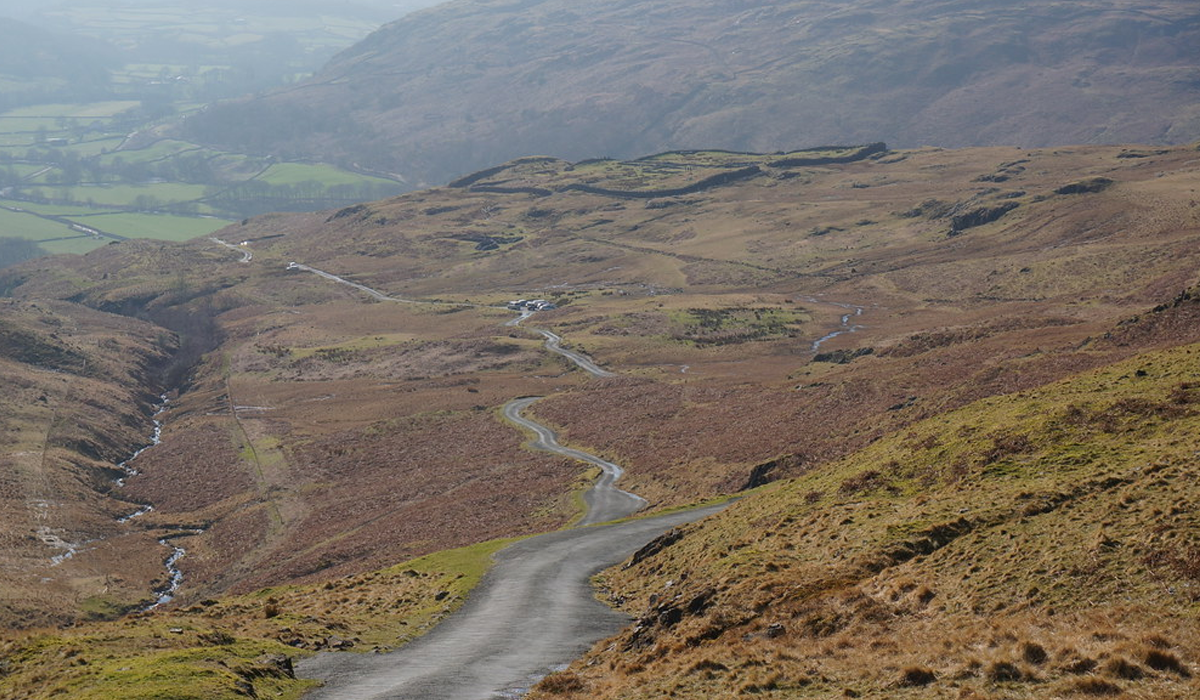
point(50, 539)
point(164, 594)
point(846, 327)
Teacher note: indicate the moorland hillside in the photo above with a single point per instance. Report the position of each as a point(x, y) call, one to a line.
point(468, 84)
point(919, 362)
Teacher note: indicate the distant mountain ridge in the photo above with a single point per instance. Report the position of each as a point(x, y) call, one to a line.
point(470, 83)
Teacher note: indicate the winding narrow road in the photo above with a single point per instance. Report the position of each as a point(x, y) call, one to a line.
point(534, 611)
point(554, 344)
point(604, 500)
point(553, 340)
point(247, 254)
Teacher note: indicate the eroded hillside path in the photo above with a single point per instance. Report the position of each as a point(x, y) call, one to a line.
point(535, 610)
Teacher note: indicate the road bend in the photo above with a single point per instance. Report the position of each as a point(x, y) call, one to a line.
point(604, 500)
point(534, 612)
point(583, 362)
point(554, 344)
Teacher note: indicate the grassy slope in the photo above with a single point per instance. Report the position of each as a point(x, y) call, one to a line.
point(758, 77)
point(339, 393)
point(77, 399)
point(1027, 545)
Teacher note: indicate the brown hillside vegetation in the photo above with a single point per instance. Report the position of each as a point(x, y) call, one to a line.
point(768, 317)
point(78, 386)
point(471, 83)
point(1040, 544)
point(323, 415)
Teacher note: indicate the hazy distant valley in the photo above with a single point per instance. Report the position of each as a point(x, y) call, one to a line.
point(955, 390)
point(88, 93)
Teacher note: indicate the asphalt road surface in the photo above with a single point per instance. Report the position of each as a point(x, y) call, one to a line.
point(534, 613)
point(535, 610)
point(554, 344)
point(604, 500)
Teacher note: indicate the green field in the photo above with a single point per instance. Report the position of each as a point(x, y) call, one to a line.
point(157, 151)
point(24, 170)
point(295, 173)
point(47, 209)
point(101, 164)
point(125, 195)
point(216, 28)
point(29, 225)
point(159, 226)
point(18, 225)
point(96, 146)
point(23, 127)
point(91, 110)
point(74, 246)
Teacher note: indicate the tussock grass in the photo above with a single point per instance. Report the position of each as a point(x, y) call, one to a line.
point(1007, 545)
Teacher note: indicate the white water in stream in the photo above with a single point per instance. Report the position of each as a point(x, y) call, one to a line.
point(70, 549)
point(166, 593)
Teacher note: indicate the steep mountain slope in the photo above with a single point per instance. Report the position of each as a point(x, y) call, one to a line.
point(471, 83)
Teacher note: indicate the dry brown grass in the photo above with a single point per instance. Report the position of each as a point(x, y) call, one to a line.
point(995, 595)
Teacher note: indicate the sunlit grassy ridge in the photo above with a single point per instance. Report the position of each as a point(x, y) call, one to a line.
point(1028, 545)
